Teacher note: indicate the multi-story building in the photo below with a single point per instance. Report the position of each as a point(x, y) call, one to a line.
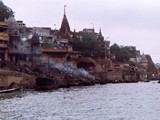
point(60, 48)
point(21, 24)
point(44, 41)
point(4, 40)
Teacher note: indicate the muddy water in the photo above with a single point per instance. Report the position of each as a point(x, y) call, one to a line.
point(132, 101)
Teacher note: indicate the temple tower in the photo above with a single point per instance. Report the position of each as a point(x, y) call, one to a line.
point(64, 32)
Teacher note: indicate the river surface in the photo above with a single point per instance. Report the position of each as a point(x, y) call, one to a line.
point(131, 101)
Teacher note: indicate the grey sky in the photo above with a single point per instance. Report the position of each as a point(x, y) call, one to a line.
point(126, 22)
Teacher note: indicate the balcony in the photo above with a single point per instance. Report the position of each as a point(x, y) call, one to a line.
point(20, 51)
point(4, 36)
point(3, 45)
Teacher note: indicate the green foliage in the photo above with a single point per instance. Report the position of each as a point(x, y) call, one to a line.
point(5, 11)
point(22, 30)
point(123, 53)
point(86, 44)
point(46, 43)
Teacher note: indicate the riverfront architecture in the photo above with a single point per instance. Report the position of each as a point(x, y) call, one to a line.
point(44, 47)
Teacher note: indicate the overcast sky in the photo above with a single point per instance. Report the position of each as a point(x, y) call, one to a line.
point(125, 22)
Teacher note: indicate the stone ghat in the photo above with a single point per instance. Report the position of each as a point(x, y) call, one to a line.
point(14, 79)
point(68, 80)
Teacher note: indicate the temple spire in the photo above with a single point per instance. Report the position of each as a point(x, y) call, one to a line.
point(100, 36)
point(100, 33)
point(64, 31)
point(65, 9)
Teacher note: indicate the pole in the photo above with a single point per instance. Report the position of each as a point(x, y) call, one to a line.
point(48, 64)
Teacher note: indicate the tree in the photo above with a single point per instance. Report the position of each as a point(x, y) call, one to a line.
point(86, 44)
point(123, 53)
point(5, 11)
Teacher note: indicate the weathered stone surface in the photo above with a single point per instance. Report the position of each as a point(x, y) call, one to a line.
point(10, 79)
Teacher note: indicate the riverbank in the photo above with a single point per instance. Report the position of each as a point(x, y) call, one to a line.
point(82, 72)
point(22, 81)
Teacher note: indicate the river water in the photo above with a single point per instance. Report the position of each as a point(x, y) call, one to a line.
point(130, 101)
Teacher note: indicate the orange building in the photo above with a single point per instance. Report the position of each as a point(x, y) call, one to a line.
point(4, 40)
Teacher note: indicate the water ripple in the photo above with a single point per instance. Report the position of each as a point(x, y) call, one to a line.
point(137, 101)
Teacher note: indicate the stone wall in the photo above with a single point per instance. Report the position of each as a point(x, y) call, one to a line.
point(9, 79)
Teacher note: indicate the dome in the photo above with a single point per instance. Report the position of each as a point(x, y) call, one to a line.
point(13, 28)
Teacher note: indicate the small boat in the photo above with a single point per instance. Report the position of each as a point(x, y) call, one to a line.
point(146, 80)
point(8, 90)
